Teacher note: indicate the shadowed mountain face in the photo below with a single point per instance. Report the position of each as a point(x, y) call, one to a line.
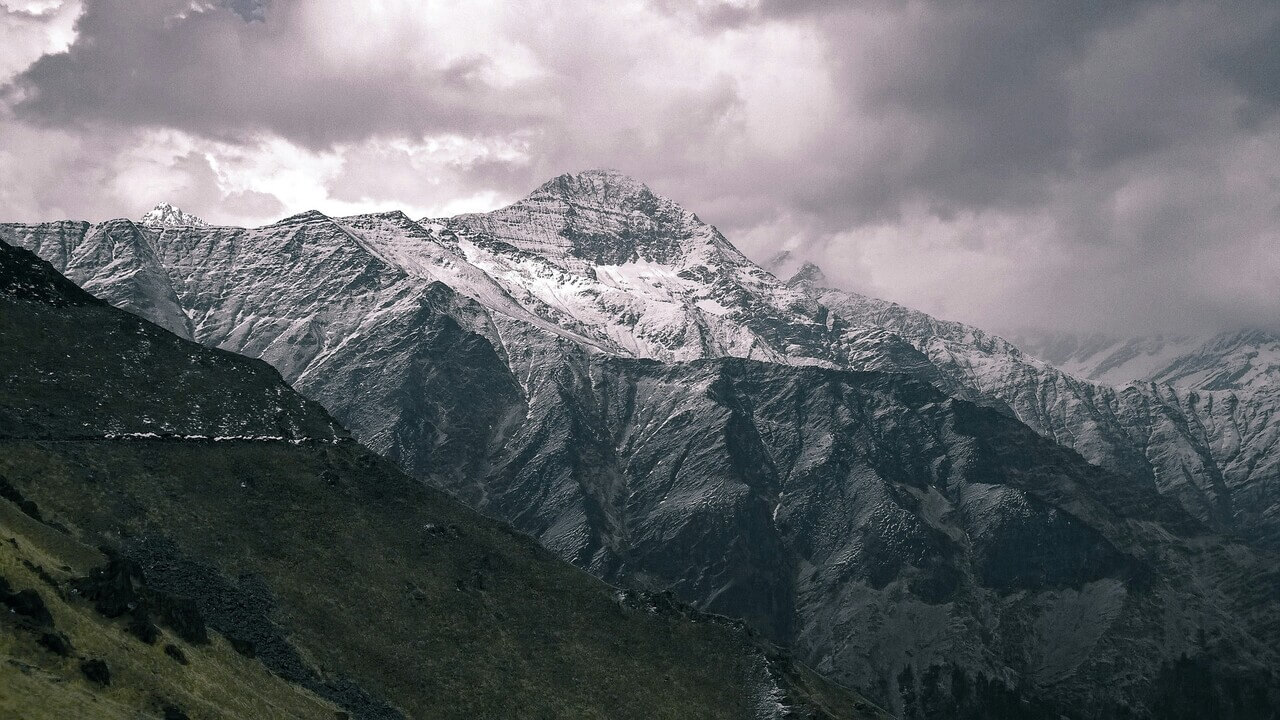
point(185, 536)
point(604, 371)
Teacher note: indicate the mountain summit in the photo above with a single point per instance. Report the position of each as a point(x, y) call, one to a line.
point(166, 215)
point(602, 185)
point(594, 217)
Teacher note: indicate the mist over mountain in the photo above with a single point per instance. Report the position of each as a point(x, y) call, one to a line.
point(919, 509)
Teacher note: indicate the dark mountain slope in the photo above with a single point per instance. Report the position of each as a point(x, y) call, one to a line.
point(235, 511)
point(878, 525)
point(1217, 452)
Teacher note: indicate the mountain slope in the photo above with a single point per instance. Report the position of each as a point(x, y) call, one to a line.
point(606, 372)
point(1215, 452)
point(1246, 360)
point(246, 530)
point(44, 651)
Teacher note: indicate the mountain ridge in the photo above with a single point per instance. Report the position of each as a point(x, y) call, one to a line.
point(629, 414)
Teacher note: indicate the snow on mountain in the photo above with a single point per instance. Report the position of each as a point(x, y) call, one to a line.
point(1106, 359)
point(166, 215)
point(600, 254)
point(581, 363)
point(1243, 360)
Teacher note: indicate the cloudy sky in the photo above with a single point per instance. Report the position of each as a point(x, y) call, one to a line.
point(1076, 165)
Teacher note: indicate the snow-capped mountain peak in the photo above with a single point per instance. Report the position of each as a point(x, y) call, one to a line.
point(166, 215)
point(601, 185)
point(809, 275)
point(599, 254)
point(1247, 359)
point(594, 217)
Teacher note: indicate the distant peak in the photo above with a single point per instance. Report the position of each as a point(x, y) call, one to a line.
point(601, 175)
point(809, 275)
point(307, 216)
point(780, 259)
point(166, 215)
point(594, 217)
point(788, 266)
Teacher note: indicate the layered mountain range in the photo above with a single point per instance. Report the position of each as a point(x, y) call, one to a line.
point(918, 508)
point(1217, 452)
point(184, 536)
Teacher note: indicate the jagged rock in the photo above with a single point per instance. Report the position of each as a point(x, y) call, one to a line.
point(1217, 452)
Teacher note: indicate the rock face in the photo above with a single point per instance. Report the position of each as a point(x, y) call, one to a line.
point(605, 371)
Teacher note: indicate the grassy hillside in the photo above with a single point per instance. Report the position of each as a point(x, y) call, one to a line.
point(187, 498)
point(41, 657)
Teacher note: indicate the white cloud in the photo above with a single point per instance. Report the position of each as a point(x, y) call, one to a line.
point(33, 29)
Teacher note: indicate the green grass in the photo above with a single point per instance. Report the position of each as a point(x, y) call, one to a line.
point(364, 588)
point(36, 683)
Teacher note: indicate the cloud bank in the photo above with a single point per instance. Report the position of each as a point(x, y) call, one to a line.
point(1079, 165)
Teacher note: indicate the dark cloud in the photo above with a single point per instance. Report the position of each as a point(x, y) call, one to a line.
point(210, 70)
point(1066, 163)
point(977, 96)
point(1084, 163)
point(1254, 67)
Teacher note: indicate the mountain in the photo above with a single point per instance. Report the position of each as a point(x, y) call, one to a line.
point(165, 215)
point(1216, 452)
point(1242, 360)
point(1105, 359)
point(186, 537)
point(886, 493)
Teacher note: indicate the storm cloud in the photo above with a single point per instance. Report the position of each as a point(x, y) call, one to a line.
point(1083, 165)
